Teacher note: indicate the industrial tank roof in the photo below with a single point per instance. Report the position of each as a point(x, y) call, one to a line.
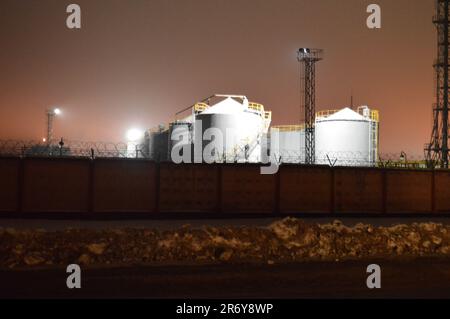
point(346, 114)
point(226, 106)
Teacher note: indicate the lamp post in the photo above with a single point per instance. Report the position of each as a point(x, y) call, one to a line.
point(134, 137)
point(308, 59)
point(404, 158)
point(50, 116)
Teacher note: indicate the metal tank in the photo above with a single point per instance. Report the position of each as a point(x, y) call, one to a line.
point(346, 137)
point(287, 143)
point(235, 125)
point(180, 139)
point(158, 140)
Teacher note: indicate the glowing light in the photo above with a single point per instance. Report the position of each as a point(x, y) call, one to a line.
point(134, 134)
point(44, 139)
point(56, 111)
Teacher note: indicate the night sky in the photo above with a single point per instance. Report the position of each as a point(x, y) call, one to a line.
point(135, 63)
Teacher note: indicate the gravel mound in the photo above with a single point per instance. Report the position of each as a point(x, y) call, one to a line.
point(287, 240)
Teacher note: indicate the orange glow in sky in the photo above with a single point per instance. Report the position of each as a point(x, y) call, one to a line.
point(136, 63)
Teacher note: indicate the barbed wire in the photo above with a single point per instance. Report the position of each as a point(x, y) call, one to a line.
point(29, 148)
point(73, 148)
point(357, 159)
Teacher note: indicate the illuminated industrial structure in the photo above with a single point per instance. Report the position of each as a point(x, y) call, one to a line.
point(237, 125)
point(437, 151)
point(342, 138)
point(243, 134)
point(50, 115)
point(308, 59)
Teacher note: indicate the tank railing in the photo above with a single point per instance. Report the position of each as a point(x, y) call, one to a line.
point(200, 107)
point(326, 113)
point(256, 106)
point(289, 128)
point(206, 101)
point(374, 115)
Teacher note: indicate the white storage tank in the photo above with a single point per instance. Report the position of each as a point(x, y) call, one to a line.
point(287, 143)
point(346, 137)
point(240, 125)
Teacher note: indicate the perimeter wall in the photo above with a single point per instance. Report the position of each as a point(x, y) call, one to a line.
point(72, 185)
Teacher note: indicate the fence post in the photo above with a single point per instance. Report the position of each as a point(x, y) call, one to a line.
point(384, 190)
point(332, 191)
point(157, 186)
point(277, 191)
point(433, 191)
point(219, 189)
point(20, 185)
point(91, 185)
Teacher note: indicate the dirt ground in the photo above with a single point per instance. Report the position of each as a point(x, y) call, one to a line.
point(283, 241)
point(288, 258)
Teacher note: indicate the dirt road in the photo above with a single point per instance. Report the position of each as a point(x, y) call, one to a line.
point(423, 278)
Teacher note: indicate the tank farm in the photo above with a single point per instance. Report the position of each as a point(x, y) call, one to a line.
point(222, 200)
point(348, 177)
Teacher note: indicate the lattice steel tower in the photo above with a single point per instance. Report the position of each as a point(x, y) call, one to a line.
point(437, 151)
point(308, 58)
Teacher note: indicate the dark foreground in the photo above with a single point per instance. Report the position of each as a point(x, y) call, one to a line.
point(422, 278)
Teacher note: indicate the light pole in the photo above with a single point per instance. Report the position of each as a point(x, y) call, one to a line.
point(134, 137)
point(50, 115)
point(308, 59)
point(404, 158)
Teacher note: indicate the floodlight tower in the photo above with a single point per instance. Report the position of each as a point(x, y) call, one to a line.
point(308, 58)
point(50, 113)
point(437, 151)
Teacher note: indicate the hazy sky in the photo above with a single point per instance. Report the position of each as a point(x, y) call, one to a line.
point(135, 63)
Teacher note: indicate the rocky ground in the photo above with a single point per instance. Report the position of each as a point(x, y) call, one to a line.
point(288, 240)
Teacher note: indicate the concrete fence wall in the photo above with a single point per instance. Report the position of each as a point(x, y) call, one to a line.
point(71, 185)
